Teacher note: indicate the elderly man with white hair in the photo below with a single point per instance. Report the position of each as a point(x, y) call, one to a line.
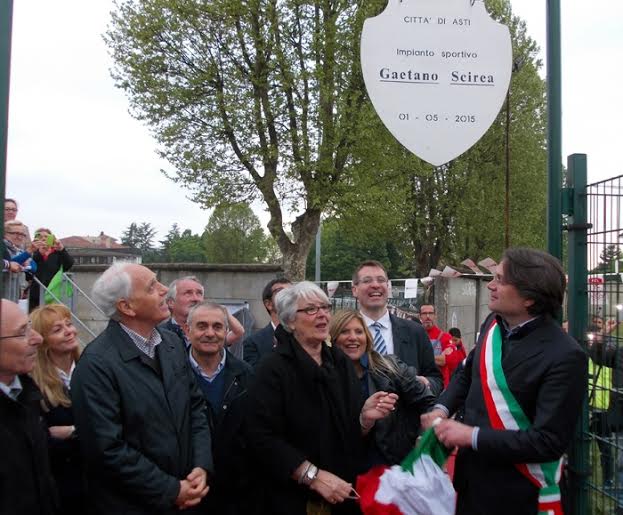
point(139, 412)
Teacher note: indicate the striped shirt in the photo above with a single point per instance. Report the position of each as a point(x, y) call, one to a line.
point(145, 345)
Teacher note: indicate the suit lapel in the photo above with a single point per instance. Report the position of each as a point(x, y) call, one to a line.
point(399, 335)
point(523, 351)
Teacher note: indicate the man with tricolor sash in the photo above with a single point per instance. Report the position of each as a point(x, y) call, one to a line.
point(522, 389)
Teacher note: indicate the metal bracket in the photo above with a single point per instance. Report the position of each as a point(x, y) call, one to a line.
point(577, 227)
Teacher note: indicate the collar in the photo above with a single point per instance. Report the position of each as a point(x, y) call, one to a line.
point(274, 326)
point(66, 378)
point(384, 321)
point(145, 345)
point(364, 361)
point(520, 329)
point(13, 389)
point(203, 373)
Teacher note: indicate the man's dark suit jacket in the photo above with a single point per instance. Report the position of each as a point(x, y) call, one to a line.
point(257, 345)
point(141, 430)
point(26, 484)
point(546, 370)
point(170, 325)
point(411, 345)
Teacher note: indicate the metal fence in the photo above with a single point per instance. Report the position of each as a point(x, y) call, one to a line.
point(604, 341)
point(595, 316)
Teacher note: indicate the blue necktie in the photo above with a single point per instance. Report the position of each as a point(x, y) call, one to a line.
point(379, 341)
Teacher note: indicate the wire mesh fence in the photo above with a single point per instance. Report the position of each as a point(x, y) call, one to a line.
point(604, 341)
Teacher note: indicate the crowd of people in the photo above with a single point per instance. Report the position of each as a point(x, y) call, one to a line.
point(155, 415)
point(30, 262)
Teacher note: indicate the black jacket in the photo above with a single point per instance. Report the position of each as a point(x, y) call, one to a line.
point(141, 431)
point(301, 411)
point(257, 345)
point(46, 270)
point(231, 486)
point(546, 370)
point(26, 485)
point(395, 435)
point(66, 462)
point(412, 345)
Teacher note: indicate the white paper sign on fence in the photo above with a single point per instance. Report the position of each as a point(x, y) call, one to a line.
point(411, 288)
point(437, 72)
point(332, 287)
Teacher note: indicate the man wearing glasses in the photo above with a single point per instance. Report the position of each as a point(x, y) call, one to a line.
point(15, 235)
point(392, 335)
point(263, 341)
point(26, 484)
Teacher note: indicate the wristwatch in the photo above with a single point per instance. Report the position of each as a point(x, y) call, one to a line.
point(310, 474)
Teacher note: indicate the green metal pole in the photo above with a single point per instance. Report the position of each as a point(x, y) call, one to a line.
point(577, 307)
point(554, 130)
point(6, 23)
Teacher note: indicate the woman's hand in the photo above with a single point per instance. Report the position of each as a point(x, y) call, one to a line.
point(332, 488)
point(61, 432)
point(376, 407)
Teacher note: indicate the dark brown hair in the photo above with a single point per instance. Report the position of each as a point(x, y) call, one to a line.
point(538, 276)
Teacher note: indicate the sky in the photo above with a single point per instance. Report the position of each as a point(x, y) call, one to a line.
point(79, 164)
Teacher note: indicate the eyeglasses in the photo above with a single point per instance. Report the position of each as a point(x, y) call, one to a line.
point(10, 209)
point(24, 334)
point(427, 313)
point(16, 233)
point(312, 310)
point(369, 280)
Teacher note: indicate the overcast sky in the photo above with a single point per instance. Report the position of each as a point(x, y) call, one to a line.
point(78, 163)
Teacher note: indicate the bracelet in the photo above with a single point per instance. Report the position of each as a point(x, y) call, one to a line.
point(363, 426)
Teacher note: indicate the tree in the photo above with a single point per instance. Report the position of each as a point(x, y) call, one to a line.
point(342, 250)
point(610, 257)
point(250, 99)
point(139, 236)
point(187, 248)
point(446, 214)
point(234, 235)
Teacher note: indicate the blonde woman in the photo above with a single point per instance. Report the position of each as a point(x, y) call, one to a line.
point(56, 359)
point(393, 436)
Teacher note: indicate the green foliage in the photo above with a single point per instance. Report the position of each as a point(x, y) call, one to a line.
point(609, 258)
point(249, 100)
point(139, 236)
point(234, 235)
point(436, 216)
point(264, 100)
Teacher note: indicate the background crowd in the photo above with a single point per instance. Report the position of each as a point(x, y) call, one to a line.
point(155, 415)
point(40, 258)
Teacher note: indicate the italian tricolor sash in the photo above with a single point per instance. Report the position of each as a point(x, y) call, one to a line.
point(505, 413)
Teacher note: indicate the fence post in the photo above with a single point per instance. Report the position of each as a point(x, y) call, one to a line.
point(577, 313)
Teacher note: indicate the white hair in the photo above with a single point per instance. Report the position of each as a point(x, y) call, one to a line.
point(286, 301)
point(172, 293)
point(212, 306)
point(114, 284)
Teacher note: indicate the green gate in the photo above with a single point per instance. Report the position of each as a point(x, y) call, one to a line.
point(594, 312)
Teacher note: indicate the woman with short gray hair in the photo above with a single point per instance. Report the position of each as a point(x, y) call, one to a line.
point(306, 418)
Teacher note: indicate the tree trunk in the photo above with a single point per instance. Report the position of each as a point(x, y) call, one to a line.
point(295, 253)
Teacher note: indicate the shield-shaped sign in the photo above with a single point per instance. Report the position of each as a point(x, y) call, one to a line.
point(437, 72)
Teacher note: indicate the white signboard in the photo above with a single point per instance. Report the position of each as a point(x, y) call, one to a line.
point(437, 72)
point(411, 288)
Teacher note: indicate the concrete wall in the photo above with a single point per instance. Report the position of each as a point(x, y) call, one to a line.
point(462, 302)
point(222, 283)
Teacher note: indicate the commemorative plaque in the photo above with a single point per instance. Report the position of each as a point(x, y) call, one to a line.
point(437, 72)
